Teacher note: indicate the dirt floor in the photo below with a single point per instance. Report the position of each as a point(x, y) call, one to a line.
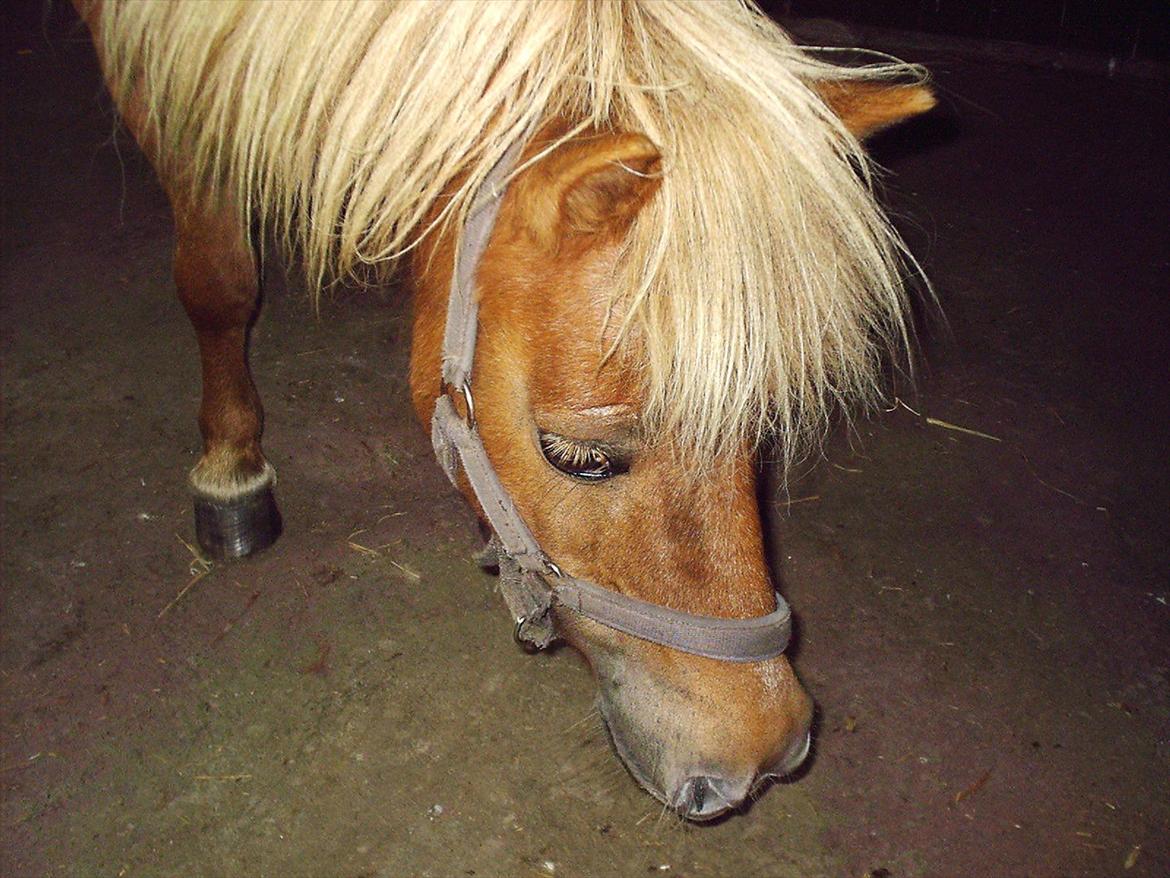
point(982, 621)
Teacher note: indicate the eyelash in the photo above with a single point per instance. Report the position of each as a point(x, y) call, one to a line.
point(579, 460)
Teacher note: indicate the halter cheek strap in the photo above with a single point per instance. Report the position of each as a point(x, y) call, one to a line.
point(531, 583)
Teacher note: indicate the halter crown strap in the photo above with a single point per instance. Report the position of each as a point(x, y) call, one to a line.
point(462, 306)
point(530, 582)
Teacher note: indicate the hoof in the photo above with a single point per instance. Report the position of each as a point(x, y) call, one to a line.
point(239, 527)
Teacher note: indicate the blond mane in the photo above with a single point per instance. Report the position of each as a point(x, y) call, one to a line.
point(763, 283)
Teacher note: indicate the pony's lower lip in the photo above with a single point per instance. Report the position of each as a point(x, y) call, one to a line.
point(708, 817)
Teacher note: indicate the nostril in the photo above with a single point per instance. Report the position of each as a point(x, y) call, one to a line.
point(702, 798)
point(699, 792)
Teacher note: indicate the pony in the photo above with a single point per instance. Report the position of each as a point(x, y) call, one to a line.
point(687, 261)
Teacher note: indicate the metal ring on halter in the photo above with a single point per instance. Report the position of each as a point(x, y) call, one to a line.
point(448, 389)
point(526, 645)
point(553, 568)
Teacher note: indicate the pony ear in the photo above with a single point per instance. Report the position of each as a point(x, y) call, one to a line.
point(868, 107)
point(593, 185)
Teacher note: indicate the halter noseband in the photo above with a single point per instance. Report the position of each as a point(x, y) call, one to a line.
point(531, 583)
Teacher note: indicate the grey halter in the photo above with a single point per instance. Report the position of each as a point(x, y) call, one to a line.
point(531, 582)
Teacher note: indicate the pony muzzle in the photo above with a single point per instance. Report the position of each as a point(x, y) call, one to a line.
point(701, 738)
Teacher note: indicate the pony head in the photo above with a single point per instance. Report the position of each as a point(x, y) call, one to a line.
point(612, 493)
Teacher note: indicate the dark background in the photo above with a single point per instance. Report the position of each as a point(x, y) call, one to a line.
point(1121, 28)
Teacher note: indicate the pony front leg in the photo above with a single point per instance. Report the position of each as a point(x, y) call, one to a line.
point(218, 280)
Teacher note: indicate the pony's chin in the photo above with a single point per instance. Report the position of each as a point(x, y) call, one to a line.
point(626, 754)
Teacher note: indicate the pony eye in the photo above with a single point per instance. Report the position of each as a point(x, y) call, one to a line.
point(581, 460)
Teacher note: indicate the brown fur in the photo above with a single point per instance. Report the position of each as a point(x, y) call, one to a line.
point(218, 283)
point(869, 107)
